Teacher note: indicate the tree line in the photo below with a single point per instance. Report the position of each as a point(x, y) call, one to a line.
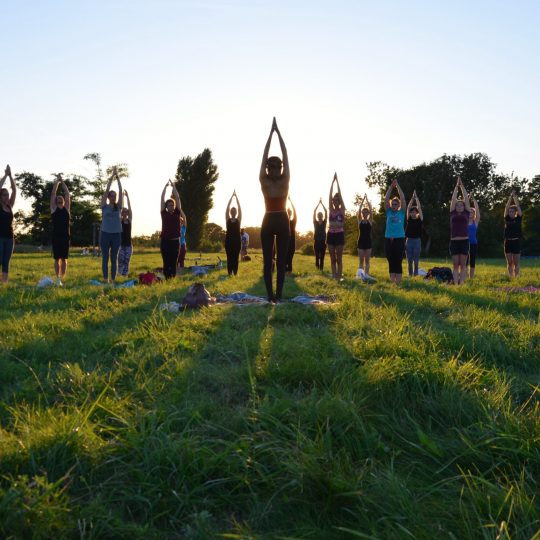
point(434, 182)
point(195, 178)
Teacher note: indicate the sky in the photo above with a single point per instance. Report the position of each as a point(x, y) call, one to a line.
point(149, 82)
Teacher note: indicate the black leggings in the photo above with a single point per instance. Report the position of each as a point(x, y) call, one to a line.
point(169, 253)
point(275, 225)
point(232, 249)
point(471, 261)
point(320, 251)
point(394, 249)
point(290, 253)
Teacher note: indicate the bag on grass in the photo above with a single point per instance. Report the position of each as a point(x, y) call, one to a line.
point(148, 278)
point(442, 274)
point(197, 296)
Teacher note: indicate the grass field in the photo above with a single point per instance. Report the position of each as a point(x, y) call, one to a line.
point(408, 412)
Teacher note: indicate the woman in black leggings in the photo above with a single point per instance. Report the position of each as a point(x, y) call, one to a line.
point(319, 234)
point(7, 201)
point(171, 214)
point(233, 219)
point(291, 212)
point(274, 177)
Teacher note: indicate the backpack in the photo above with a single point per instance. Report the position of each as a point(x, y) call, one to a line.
point(442, 274)
point(148, 278)
point(197, 296)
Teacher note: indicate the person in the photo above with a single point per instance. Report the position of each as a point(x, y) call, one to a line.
point(474, 220)
point(233, 219)
point(512, 234)
point(171, 221)
point(274, 177)
point(291, 213)
point(335, 237)
point(7, 237)
point(460, 211)
point(60, 216)
point(394, 243)
point(244, 236)
point(111, 227)
point(365, 227)
point(319, 234)
point(182, 241)
point(413, 233)
point(126, 247)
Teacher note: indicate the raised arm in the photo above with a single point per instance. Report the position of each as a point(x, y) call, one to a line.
point(239, 207)
point(13, 187)
point(176, 197)
point(183, 217)
point(262, 173)
point(389, 194)
point(227, 212)
point(454, 196)
point(516, 202)
point(294, 219)
point(120, 192)
point(286, 171)
point(315, 211)
point(106, 192)
point(419, 206)
point(162, 204)
point(476, 209)
point(370, 211)
point(402, 199)
point(53, 193)
point(341, 201)
point(466, 201)
point(410, 205)
point(128, 203)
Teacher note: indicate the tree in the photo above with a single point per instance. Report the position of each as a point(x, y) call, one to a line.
point(195, 178)
point(38, 221)
point(434, 183)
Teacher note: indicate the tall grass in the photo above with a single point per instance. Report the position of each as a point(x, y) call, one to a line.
point(408, 412)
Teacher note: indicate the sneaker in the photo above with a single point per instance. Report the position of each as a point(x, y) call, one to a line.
point(59, 282)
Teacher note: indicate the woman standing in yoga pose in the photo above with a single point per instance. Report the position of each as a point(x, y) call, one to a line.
point(395, 232)
point(512, 234)
point(274, 177)
point(365, 226)
point(111, 227)
point(474, 220)
point(413, 234)
point(7, 236)
point(126, 247)
point(60, 216)
point(336, 229)
point(319, 234)
point(233, 220)
point(291, 213)
point(170, 230)
point(460, 210)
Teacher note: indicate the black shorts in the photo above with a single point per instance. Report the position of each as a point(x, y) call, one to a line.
point(459, 247)
point(60, 248)
point(513, 246)
point(364, 243)
point(335, 238)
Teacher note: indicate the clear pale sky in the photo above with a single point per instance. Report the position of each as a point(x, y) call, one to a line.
point(147, 82)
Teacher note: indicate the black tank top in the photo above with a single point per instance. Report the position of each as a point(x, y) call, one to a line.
point(320, 231)
point(233, 229)
point(60, 221)
point(414, 228)
point(6, 223)
point(512, 227)
point(126, 234)
point(364, 229)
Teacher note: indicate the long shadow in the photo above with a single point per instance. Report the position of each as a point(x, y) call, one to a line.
point(489, 348)
point(273, 423)
point(468, 297)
